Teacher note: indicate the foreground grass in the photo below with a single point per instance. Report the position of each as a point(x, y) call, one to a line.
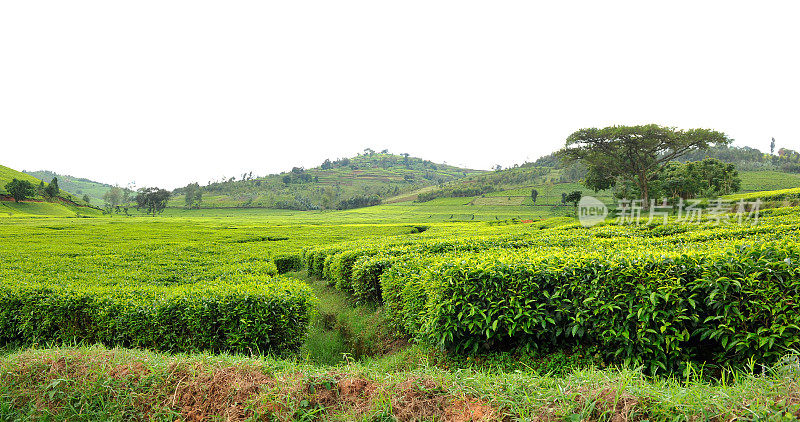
point(97, 383)
point(344, 330)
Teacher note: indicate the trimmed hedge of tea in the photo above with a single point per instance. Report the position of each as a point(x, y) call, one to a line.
point(288, 263)
point(643, 294)
point(251, 317)
point(655, 310)
point(366, 276)
point(338, 264)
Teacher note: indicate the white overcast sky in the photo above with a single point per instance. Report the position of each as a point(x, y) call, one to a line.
point(168, 92)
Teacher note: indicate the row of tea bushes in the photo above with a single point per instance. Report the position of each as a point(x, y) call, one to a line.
point(647, 294)
point(634, 307)
point(356, 268)
point(337, 264)
point(288, 263)
point(268, 316)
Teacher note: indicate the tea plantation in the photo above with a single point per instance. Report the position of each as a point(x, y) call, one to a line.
point(518, 319)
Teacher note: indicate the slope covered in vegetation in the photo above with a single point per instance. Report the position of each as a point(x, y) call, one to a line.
point(63, 205)
point(77, 186)
point(345, 183)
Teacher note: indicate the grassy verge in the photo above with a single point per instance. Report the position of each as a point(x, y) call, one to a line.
point(344, 331)
point(96, 383)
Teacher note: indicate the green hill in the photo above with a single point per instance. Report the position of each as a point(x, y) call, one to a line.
point(75, 185)
point(512, 187)
point(66, 205)
point(8, 174)
point(345, 183)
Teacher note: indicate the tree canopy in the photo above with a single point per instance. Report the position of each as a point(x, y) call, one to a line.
point(154, 200)
point(20, 189)
point(112, 197)
point(633, 153)
point(52, 190)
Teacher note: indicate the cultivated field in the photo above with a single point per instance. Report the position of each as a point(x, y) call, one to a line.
point(398, 311)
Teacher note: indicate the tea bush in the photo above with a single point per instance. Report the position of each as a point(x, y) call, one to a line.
point(288, 263)
point(251, 317)
point(652, 309)
point(653, 295)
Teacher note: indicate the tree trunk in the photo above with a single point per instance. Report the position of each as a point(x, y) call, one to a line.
point(645, 191)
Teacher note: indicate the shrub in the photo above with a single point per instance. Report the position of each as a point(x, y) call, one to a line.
point(405, 299)
point(250, 317)
point(343, 263)
point(287, 263)
point(654, 310)
point(367, 271)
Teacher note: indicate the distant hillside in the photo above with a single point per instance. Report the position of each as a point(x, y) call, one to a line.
point(750, 159)
point(75, 185)
point(66, 205)
point(345, 183)
point(551, 178)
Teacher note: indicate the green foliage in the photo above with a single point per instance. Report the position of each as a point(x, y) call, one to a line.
point(288, 263)
point(52, 190)
point(780, 195)
point(709, 178)
point(659, 312)
point(8, 174)
point(455, 192)
point(112, 198)
point(170, 284)
point(573, 197)
point(359, 202)
point(644, 295)
point(366, 276)
point(633, 153)
point(75, 185)
point(345, 183)
point(153, 200)
point(192, 195)
point(269, 316)
point(20, 189)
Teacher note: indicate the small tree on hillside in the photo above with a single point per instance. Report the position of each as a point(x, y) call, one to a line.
point(193, 195)
point(534, 195)
point(20, 189)
point(87, 199)
point(405, 159)
point(52, 190)
point(112, 198)
point(573, 197)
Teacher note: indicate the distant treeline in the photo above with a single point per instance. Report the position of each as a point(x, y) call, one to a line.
point(359, 202)
point(455, 192)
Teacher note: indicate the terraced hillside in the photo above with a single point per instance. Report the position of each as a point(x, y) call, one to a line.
point(341, 184)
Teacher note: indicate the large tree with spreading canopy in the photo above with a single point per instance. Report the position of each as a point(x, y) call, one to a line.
point(634, 153)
